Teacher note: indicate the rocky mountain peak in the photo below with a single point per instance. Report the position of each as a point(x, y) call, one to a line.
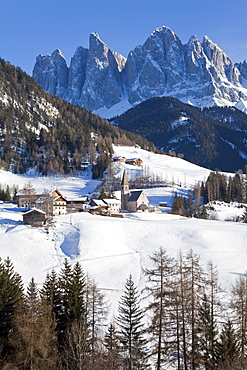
point(197, 72)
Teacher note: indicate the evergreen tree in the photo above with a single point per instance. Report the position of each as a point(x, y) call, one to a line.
point(102, 193)
point(11, 300)
point(112, 344)
point(131, 327)
point(227, 349)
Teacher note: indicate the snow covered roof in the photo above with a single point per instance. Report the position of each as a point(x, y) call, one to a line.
point(48, 199)
point(112, 201)
point(98, 202)
point(34, 210)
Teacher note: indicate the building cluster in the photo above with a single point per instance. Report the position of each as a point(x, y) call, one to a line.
point(41, 206)
point(131, 161)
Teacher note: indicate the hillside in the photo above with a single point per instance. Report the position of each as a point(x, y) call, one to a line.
point(38, 130)
point(217, 141)
point(109, 247)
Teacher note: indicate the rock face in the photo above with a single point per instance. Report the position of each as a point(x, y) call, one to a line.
point(196, 72)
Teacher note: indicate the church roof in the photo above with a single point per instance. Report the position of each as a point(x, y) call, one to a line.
point(134, 195)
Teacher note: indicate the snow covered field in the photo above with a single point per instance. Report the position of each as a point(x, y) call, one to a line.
point(112, 248)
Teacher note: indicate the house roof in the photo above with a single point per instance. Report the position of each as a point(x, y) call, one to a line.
point(48, 199)
point(132, 159)
point(143, 207)
point(98, 202)
point(134, 195)
point(119, 157)
point(112, 201)
point(33, 210)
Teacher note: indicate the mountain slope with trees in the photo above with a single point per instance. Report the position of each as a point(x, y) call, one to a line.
point(42, 131)
point(214, 138)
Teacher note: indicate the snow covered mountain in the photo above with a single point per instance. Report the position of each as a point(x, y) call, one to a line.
point(105, 82)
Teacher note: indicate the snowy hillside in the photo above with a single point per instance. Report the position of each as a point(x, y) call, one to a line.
point(111, 248)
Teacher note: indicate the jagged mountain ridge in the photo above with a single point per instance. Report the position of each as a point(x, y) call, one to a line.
point(214, 137)
point(197, 72)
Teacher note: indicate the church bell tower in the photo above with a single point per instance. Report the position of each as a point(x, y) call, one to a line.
point(124, 191)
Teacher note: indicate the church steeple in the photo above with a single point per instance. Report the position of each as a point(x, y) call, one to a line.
point(124, 191)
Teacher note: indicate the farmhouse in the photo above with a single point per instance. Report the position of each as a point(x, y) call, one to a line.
point(34, 217)
point(119, 159)
point(97, 206)
point(134, 161)
point(77, 204)
point(113, 205)
point(51, 205)
point(132, 201)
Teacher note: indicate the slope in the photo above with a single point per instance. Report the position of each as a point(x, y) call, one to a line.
point(175, 126)
point(42, 131)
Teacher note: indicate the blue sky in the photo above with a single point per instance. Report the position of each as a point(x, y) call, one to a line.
point(29, 28)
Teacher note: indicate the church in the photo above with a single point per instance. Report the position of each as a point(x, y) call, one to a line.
point(132, 201)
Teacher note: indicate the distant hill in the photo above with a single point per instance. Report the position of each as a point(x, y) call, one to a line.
point(43, 131)
point(214, 137)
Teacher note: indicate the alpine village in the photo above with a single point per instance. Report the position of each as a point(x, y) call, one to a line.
point(123, 240)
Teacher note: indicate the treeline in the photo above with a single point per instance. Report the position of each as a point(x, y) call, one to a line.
point(188, 321)
point(38, 130)
point(226, 188)
point(7, 192)
point(217, 187)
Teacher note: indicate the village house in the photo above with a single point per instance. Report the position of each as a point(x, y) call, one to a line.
point(34, 217)
point(52, 205)
point(104, 206)
point(119, 159)
point(113, 205)
point(97, 206)
point(132, 200)
point(134, 161)
point(77, 204)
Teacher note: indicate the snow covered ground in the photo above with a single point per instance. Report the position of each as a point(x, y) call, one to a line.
point(112, 248)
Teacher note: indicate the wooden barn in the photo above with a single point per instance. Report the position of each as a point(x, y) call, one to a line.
point(34, 217)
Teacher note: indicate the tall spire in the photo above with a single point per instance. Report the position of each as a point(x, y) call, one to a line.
point(124, 191)
point(125, 179)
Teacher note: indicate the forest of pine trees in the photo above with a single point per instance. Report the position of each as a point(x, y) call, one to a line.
point(182, 318)
point(217, 187)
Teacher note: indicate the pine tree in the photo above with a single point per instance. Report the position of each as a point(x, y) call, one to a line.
point(112, 344)
point(131, 327)
point(102, 193)
point(227, 349)
point(11, 300)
